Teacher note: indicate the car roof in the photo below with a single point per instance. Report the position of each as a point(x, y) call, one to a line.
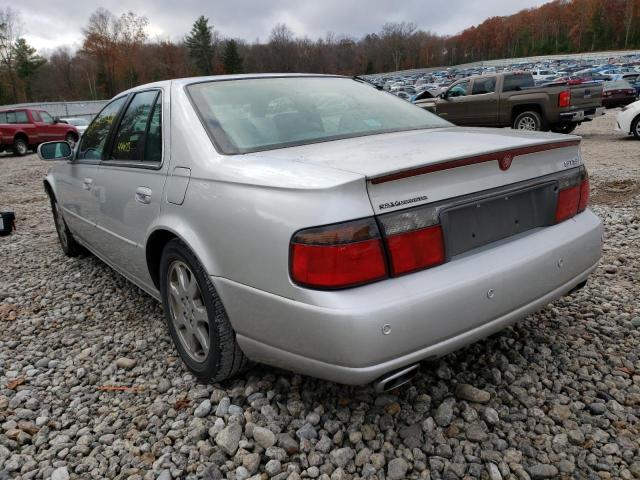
point(220, 78)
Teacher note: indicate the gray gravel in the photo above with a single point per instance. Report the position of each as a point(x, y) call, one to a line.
point(557, 396)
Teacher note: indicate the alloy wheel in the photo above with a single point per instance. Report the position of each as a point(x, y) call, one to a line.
point(526, 123)
point(187, 310)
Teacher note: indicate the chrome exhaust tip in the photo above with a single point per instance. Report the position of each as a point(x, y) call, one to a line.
point(396, 379)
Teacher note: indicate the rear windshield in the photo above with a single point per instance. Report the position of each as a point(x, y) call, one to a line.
point(250, 115)
point(618, 84)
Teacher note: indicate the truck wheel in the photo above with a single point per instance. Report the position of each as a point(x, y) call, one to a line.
point(20, 147)
point(635, 127)
point(529, 120)
point(197, 320)
point(564, 128)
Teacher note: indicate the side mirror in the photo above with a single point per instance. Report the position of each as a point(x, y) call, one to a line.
point(56, 119)
point(55, 151)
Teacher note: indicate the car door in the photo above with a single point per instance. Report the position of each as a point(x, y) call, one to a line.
point(131, 180)
point(75, 189)
point(482, 104)
point(453, 104)
point(50, 130)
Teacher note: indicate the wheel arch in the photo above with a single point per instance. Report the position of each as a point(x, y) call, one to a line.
point(158, 239)
point(48, 188)
point(21, 135)
point(518, 109)
point(634, 121)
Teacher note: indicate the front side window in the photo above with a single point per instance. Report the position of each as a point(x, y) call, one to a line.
point(136, 131)
point(460, 89)
point(258, 114)
point(36, 116)
point(46, 118)
point(484, 85)
point(95, 137)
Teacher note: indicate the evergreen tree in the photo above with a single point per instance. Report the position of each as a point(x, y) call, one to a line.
point(231, 58)
point(27, 63)
point(200, 43)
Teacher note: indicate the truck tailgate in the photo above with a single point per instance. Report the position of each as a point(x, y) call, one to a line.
point(586, 95)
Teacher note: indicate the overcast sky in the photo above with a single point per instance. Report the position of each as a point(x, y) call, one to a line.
point(48, 24)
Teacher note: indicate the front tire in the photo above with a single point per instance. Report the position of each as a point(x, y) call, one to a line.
point(197, 320)
point(635, 127)
point(69, 246)
point(20, 147)
point(528, 120)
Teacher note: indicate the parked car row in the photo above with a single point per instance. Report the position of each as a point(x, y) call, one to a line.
point(419, 86)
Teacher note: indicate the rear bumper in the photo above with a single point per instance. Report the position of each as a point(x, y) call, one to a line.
point(582, 115)
point(429, 313)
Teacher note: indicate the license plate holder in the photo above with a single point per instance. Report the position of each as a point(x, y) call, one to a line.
point(482, 221)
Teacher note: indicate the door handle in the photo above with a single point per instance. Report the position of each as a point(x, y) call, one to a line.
point(143, 195)
point(87, 183)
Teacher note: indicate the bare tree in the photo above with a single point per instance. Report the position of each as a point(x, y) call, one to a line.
point(629, 15)
point(395, 36)
point(10, 31)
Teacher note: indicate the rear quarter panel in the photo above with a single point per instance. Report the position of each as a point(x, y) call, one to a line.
point(240, 211)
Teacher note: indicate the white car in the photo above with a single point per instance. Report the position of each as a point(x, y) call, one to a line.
point(541, 75)
point(628, 120)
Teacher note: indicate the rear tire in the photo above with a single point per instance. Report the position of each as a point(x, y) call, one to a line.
point(69, 246)
point(196, 318)
point(635, 127)
point(71, 139)
point(528, 120)
point(565, 128)
point(20, 147)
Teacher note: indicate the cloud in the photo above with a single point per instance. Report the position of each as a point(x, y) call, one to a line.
point(48, 26)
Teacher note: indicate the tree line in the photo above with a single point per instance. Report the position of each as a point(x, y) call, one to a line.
point(117, 52)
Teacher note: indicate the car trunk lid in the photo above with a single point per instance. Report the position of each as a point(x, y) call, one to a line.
point(411, 168)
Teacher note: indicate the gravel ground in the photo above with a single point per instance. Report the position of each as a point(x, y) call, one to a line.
point(91, 387)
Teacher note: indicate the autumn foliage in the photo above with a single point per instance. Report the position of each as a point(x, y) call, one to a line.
point(117, 53)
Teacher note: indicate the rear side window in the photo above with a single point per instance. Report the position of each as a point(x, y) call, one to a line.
point(516, 82)
point(95, 137)
point(484, 85)
point(138, 136)
point(21, 117)
point(3, 117)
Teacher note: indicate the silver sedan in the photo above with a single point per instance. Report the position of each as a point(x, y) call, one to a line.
point(320, 225)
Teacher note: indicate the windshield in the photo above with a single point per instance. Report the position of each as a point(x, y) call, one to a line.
point(260, 114)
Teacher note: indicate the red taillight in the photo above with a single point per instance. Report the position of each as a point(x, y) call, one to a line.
point(568, 201)
point(573, 196)
point(338, 256)
point(416, 250)
point(584, 194)
point(564, 99)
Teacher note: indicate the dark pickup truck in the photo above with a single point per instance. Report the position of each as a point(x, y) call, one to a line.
point(513, 100)
point(22, 129)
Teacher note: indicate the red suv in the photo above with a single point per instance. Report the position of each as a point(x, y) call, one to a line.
point(23, 129)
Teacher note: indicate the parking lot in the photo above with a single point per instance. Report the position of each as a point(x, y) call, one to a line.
point(91, 385)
